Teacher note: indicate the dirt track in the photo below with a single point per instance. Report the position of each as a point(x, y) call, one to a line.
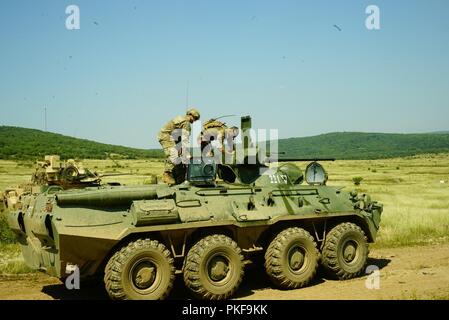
point(405, 273)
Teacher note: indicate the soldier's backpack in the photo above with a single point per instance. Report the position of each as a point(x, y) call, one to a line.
point(212, 123)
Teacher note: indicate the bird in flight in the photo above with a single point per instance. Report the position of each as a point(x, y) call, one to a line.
point(337, 27)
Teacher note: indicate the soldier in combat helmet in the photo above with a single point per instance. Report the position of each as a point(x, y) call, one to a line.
point(174, 139)
point(214, 130)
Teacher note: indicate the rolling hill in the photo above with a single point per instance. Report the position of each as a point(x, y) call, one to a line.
point(22, 143)
point(361, 145)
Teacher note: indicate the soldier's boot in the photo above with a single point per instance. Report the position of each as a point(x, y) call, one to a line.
point(167, 178)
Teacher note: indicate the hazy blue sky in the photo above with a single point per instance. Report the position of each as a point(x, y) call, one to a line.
point(124, 73)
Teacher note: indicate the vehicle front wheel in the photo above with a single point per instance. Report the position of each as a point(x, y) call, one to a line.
point(345, 251)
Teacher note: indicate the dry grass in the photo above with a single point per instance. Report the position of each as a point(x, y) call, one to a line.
point(11, 261)
point(416, 203)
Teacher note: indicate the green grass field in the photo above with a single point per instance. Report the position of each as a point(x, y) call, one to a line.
point(414, 191)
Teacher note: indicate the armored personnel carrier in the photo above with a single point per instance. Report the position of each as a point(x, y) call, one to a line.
point(137, 238)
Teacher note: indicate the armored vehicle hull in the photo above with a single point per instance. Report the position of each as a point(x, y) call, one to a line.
point(139, 237)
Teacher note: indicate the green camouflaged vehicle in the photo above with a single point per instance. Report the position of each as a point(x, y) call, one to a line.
point(139, 237)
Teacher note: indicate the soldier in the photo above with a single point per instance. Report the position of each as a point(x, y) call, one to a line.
point(175, 131)
point(214, 130)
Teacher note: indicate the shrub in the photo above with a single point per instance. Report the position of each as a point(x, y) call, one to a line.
point(6, 235)
point(15, 267)
point(357, 180)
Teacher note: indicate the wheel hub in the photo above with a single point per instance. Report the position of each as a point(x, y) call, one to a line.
point(218, 269)
point(349, 252)
point(296, 260)
point(144, 276)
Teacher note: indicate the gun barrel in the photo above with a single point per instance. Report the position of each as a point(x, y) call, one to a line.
point(106, 197)
point(304, 159)
point(301, 159)
point(114, 174)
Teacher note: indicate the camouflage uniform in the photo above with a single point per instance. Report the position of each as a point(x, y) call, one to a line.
point(175, 131)
point(214, 130)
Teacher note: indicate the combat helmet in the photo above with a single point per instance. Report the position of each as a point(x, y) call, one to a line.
point(194, 113)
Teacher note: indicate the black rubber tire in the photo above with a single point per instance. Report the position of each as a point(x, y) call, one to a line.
point(122, 268)
point(279, 255)
point(347, 237)
point(198, 268)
